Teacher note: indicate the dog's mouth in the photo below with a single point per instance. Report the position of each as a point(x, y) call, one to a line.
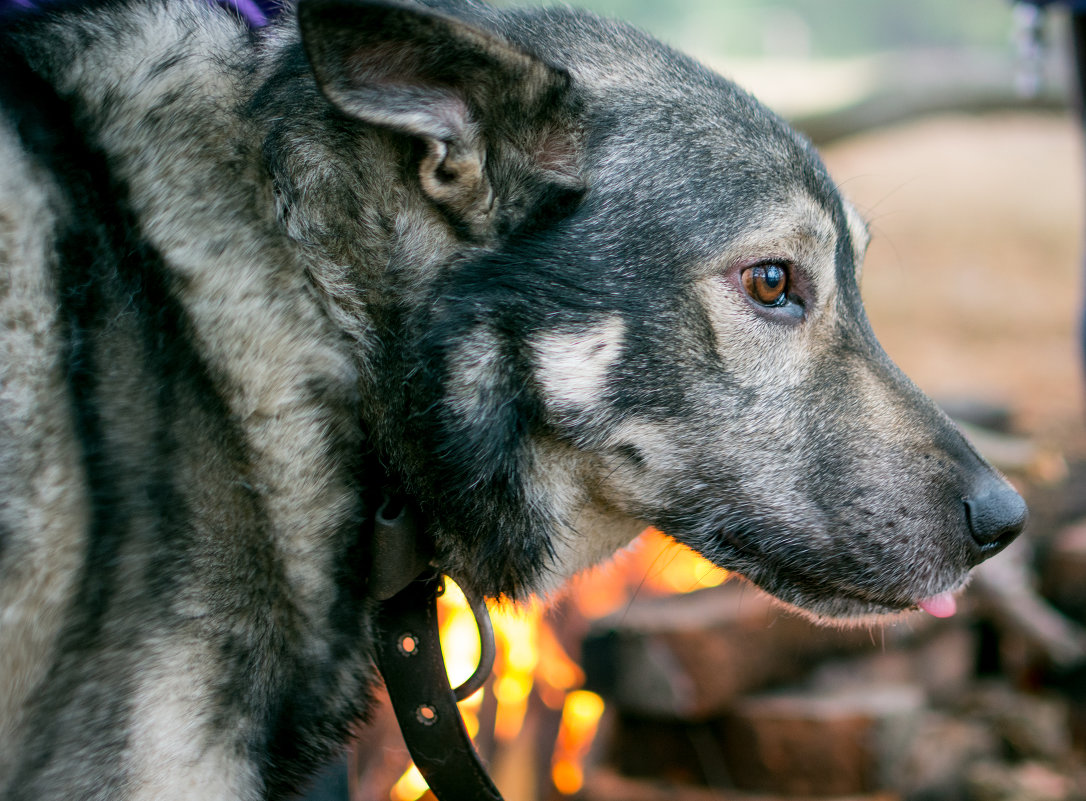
point(844, 604)
point(943, 604)
point(835, 578)
point(830, 597)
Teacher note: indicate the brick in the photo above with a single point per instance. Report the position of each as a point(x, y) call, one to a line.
point(939, 755)
point(1031, 781)
point(832, 744)
point(1030, 725)
point(605, 785)
point(943, 664)
point(679, 752)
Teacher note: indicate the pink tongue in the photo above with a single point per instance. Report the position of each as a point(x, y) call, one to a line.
point(941, 605)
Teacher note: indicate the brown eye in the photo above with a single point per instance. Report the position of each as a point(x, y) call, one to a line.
point(766, 283)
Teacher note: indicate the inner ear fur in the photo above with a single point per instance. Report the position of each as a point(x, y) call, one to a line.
point(466, 93)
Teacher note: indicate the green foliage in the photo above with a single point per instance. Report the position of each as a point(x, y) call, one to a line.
point(819, 28)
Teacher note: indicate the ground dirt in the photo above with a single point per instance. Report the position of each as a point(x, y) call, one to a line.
point(973, 279)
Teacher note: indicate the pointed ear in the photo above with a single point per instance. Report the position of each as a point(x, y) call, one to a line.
point(453, 85)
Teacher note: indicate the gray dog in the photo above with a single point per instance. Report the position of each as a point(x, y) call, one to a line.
point(532, 270)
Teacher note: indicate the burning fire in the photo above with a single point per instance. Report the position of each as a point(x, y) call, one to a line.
point(531, 657)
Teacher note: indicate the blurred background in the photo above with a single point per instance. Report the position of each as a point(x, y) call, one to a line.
point(954, 131)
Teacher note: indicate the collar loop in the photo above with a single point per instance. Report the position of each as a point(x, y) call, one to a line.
point(409, 657)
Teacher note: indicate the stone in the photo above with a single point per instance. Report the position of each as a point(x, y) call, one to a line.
point(1031, 781)
point(821, 744)
point(605, 785)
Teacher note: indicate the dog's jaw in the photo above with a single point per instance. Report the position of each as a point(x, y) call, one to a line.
point(829, 596)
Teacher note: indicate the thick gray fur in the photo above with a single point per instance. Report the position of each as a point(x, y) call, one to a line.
point(493, 260)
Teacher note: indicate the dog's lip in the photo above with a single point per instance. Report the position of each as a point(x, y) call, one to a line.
point(863, 603)
point(941, 604)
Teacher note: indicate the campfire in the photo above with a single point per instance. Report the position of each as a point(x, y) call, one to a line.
point(537, 683)
point(656, 679)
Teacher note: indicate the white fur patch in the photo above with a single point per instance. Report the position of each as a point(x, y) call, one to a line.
point(43, 512)
point(572, 367)
point(475, 370)
point(594, 536)
point(623, 483)
point(589, 528)
point(175, 753)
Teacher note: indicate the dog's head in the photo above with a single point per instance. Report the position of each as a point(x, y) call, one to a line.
point(646, 311)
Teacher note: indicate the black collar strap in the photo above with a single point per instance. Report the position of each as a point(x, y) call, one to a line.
point(410, 660)
point(400, 551)
point(409, 656)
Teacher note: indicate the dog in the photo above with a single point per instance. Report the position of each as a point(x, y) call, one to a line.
point(535, 271)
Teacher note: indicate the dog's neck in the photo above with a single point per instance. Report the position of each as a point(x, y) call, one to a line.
point(285, 199)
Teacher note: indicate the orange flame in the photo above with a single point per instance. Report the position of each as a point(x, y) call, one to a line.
point(580, 717)
point(530, 656)
point(671, 568)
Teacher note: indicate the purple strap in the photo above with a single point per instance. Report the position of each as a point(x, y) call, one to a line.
point(255, 12)
point(248, 10)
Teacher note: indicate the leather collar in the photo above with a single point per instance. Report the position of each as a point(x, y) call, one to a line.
point(411, 663)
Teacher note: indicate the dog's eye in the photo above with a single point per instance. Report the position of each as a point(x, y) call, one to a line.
point(766, 283)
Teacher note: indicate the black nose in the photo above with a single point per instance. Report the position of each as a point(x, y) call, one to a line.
point(996, 515)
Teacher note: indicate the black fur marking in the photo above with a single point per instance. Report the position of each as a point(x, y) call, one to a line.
point(632, 455)
point(120, 317)
point(45, 127)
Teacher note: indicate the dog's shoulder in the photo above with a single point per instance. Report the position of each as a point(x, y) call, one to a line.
point(43, 502)
point(161, 355)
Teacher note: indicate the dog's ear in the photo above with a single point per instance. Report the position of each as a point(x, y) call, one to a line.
point(452, 85)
